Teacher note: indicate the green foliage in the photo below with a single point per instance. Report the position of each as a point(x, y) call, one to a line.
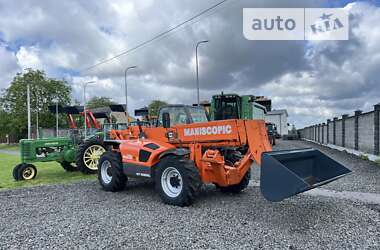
point(47, 173)
point(155, 106)
point(43, 92)
point(97, 102)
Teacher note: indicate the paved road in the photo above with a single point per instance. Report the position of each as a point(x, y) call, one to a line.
point(9, 152)
point(83, 216)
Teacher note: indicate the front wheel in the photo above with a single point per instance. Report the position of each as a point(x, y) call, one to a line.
point(177, 181)
point(110, 173)
point(24, 171)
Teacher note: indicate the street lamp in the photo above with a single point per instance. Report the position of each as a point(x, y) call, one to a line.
point(126, 91)
point(196, 62)
point(84, 106)
point(56, 100)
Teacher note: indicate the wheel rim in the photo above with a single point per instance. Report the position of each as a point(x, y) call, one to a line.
point(91, 156)
point(105, 171)
point(171, 182)
point(28, 173)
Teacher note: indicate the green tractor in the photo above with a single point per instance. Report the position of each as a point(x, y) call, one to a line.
point(233, 106)
point(74, 152)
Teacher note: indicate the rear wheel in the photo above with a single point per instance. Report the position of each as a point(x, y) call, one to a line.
point(110, 173)
point(177, 180)
point(68, 166)
point(88, 154)
point(24, 171)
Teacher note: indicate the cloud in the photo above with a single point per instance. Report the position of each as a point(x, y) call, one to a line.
point(9, 66)
point(313, 80)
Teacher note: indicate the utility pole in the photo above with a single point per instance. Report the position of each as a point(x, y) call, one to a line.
point(126, 92)
point(56, 119)
point(56, 116)
point(37, 130)
point(196, 67)
point(28, 105)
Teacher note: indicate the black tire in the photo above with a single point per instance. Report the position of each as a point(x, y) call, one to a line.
point(274, 141)
point(191, 180)
point(24, 171)
point(15, 171)
point(118, 179)
point(237, 188)
point(68, 166)
point(81, 151)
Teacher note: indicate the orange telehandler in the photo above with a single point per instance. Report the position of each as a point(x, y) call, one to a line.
point(184, 150)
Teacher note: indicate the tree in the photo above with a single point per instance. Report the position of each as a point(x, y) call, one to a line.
point(5, 125)
point(155, 106)
point(97, 102)
point(43, 92)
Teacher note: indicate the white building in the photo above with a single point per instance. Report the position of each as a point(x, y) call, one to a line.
point(258, 111)
point(280, 118)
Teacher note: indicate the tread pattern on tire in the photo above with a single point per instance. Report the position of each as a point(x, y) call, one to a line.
point(190, 176)
point(15, 172)
point(80, 152)
point(119, 180)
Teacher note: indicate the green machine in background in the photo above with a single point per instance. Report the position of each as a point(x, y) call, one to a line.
point(74, 151)
point(233, 106)
point(60, 149)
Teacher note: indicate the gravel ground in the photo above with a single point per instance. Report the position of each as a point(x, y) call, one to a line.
point(81, 215)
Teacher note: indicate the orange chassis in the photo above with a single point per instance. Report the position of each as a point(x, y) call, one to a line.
point(142, 148)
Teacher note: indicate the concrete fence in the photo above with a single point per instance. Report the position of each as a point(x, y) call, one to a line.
point(359, 132)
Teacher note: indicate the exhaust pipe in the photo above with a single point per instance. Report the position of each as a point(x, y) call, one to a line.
point(289, 172)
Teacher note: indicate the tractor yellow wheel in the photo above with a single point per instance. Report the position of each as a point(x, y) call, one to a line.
point(28, 173)
point(25, 171)
point(92, 155)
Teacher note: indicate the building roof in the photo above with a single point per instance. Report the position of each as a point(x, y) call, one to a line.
point(278, 112)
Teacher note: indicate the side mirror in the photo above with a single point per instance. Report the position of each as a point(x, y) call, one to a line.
point(166, 120)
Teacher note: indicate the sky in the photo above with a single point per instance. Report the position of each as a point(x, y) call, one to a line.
point(314, 81)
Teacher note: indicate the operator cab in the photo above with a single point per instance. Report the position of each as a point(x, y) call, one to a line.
point(227, 106)
point(181, 114)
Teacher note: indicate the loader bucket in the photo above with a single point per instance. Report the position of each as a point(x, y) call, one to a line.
point(290, 172)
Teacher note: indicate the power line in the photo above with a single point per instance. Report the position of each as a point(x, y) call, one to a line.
point(156, 37)
point(227, 5)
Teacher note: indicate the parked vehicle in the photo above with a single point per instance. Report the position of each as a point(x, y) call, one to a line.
point(74, 152)
point(185, 150)
point(271, 130)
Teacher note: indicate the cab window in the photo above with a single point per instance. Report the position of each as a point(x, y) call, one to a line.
point(177, 115)
point(198, 114)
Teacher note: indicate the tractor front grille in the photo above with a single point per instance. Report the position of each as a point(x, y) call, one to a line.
point(26, 150)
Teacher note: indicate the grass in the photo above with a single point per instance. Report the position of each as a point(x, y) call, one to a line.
point(13, 147)
point(47, 173)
